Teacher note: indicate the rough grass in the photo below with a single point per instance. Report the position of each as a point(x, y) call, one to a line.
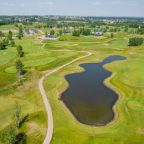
point(128, 127)
point(28, 96)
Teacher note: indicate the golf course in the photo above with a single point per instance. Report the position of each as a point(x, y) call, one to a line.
point(38, 92)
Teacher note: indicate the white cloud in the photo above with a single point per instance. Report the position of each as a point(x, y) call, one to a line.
point(97, 3)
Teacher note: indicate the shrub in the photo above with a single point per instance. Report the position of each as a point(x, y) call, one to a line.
point(135, 41)
point(76, 33)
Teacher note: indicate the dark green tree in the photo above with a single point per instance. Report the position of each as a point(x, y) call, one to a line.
point(85, 32)
point(112, 35)
point(18, 115)
point(12, 43)
point(19, 67)
point(20, 50)
point(76, 33)
point(4, 43)
point(11, 135)
point(20, 33)
point(10, 35)
point(136, 41)
point(14, 133)
point(52, 32)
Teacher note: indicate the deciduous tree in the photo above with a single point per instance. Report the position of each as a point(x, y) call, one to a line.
point(20, 50)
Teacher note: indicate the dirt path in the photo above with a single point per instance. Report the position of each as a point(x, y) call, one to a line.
point(46, 101)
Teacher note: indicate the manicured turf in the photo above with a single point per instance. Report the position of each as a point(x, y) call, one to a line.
point(128, 126)
point(28, 96)
point(127, 80)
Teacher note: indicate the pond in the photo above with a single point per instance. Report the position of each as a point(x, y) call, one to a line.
point(88, 99)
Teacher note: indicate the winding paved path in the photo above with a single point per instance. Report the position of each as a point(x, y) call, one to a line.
point(46, 101)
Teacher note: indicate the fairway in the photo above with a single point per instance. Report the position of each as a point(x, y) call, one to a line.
point(127, 117)
point(71, 80)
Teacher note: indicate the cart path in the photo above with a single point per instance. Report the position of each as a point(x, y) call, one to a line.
point(49, 134)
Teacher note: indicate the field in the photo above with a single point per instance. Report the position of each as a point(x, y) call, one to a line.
point(127, 81)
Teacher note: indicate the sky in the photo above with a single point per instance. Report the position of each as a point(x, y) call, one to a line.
point(73, 7)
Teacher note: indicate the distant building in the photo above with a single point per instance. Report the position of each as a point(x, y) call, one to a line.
point(53, 37)
point(35, 31)
point(27, 31)
point(99, 33)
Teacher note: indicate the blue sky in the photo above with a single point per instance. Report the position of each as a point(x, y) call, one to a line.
point(73, 7)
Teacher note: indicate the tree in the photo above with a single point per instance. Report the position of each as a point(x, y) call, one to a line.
point(112, 35)
point(52, 32)
point(136, 41)
point(20, 33)
point(140, 31)
point(18, 115)
point(76, 33)
point(19, 67)
point(4, 43)
point(126, 29)
point(85, 32)
point(14, 133)
point(12, 43)
point(60, 32)
point(20, 51)
point(16, 25)
point(1, 34)
point(10, 35)
point(1, 46)
point(11, 135)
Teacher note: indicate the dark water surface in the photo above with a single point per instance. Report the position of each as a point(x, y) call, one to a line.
point(89, 100)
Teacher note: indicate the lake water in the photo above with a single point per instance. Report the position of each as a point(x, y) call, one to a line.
point(88, 99)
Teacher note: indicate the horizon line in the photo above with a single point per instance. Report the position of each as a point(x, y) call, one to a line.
point(72, 15)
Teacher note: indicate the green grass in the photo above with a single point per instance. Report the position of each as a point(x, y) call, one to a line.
point(28, 96)
point(7, 27)
point(127, 80)
point(7, 55)
point(127, 128)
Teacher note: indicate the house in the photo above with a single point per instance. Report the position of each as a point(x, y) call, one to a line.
point(52, 37)
point(35, 31)
point(99, 33)
point(27, 31)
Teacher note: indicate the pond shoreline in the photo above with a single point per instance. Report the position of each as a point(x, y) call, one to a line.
point(106, 85)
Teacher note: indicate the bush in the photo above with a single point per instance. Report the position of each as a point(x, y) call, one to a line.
point(52, 32)
point(85, 32)
point(135, 41)
point(4, 43)
point(76, 33)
